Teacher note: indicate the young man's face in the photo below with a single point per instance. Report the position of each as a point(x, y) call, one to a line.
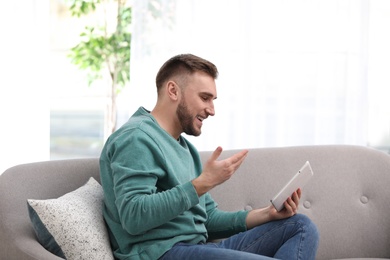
point(197, 103)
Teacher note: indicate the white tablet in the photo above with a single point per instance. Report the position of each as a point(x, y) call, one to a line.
point(298, 181)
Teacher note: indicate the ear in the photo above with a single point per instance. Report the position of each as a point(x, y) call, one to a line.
point(173, 90)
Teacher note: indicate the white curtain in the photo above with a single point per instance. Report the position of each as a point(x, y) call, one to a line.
point(24, 110)
point(291, 72)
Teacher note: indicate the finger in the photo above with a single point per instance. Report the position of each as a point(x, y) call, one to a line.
point(295, 197)
point(295, 200)
point(299, 192)
point(289, 210)
point(216, 154)
point(238, 158)
point(236, 161)
point(291, 206)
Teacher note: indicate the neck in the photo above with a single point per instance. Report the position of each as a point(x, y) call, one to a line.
point(166, 121)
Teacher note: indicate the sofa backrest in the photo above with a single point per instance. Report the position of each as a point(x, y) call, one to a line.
point(348, 196)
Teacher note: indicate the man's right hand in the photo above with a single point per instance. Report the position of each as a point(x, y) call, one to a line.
point(216, 172)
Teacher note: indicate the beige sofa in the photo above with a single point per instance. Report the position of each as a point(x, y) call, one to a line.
point(348, 197)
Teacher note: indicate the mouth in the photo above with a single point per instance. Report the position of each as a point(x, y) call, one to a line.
point(200, 118)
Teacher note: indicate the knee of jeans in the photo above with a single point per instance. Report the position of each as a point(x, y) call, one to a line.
point(308, 225)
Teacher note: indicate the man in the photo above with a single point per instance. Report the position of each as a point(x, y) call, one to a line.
point(157, 204)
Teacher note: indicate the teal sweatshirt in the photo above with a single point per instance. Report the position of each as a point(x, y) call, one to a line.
point(150, 203)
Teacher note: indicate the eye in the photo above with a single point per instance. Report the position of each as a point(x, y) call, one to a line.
point(204, 97)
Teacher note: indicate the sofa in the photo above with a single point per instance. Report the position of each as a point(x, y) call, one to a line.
point(348, 197)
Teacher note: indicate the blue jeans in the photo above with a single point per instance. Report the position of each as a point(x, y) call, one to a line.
point(292, 238)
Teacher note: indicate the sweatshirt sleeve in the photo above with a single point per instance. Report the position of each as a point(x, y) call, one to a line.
point(136, 165)
point(222, 224)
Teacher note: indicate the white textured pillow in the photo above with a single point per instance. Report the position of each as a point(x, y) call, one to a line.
point(72, 226)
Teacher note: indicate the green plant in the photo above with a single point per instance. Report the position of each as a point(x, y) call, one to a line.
point(103, 52)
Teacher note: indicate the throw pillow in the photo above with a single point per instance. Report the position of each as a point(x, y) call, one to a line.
point(72, 226)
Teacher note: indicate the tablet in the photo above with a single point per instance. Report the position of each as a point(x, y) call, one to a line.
point(298, 181)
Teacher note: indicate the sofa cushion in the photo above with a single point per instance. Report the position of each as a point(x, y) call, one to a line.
point(72, 226)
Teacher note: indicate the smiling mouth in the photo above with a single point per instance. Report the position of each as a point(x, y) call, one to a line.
point(200, 118)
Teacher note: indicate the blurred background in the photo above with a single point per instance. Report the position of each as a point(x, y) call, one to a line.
point(291, 72)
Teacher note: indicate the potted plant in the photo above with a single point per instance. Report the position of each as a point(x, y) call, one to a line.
point(104, 50)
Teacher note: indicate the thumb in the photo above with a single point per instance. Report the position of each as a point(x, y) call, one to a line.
point(216, 154)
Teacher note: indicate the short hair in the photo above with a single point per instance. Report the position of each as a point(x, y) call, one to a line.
point(183, 65)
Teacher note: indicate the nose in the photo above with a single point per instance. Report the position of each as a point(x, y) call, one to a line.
point(210, 109)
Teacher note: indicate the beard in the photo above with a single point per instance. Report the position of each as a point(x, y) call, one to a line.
point(186, 119)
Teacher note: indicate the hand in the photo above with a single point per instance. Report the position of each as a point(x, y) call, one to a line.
point(290, 207)
point(216, 172)
point(260, 216)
